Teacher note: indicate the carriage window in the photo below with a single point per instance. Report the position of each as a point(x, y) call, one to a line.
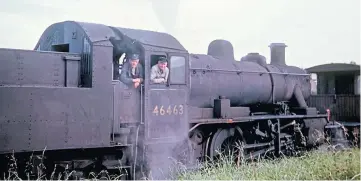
point(177, 70)
point(357, 85)
point(313, 82)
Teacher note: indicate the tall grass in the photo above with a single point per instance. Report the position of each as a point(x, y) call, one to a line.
point(315, 165)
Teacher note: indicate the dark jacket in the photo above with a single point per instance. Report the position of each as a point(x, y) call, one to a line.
point(126, 74)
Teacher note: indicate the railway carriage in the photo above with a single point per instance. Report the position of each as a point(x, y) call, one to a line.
point(337, 88)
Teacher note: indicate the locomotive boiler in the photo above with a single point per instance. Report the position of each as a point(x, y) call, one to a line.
point(65, 97)
point(246, 82)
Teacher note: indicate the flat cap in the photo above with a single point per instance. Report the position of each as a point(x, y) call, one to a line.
point(162, 59)
point(134, 56)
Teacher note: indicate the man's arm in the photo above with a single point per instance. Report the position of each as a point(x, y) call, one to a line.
point(123, 75)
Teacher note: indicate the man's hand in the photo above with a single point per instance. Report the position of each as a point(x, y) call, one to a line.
point(136, 84)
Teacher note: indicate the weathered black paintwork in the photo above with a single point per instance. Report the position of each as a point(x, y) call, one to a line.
point(244, 82)
point(69, 100)
point(72, 100)
point(37, 80)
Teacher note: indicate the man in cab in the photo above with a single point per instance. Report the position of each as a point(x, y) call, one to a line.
point(132, 71)
point(159, 73)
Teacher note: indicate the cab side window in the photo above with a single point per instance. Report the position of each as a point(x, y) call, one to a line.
point(159, 69)
point(177, 70)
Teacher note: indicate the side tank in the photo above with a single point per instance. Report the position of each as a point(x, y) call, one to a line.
point(248, 81)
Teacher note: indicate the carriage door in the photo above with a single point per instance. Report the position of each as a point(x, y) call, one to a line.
point(166, 117)
point(166, 112)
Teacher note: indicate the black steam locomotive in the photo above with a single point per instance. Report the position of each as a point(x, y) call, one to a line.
point(65, 97)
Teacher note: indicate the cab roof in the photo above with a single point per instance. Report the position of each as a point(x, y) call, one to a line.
point(100, 33)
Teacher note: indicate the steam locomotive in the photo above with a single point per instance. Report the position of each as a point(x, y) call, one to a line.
point(63, 101)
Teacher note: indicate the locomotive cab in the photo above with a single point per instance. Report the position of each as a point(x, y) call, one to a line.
point(155, 114)
point(77, 102)
point(164, 111)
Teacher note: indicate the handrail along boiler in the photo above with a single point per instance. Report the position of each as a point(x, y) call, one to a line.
point(65, 96)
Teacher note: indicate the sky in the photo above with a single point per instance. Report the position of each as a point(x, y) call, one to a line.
point(315, 31)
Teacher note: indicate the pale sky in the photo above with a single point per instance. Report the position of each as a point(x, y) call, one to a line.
point(315, 31)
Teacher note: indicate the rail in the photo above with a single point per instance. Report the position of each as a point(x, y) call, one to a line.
point(239, 71)
point(141, 103)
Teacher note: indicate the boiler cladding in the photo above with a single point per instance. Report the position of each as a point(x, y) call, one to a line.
point(248, 81)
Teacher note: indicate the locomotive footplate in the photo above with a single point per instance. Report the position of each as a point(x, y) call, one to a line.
point(252, 118)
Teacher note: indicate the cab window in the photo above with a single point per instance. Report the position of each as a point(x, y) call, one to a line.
point(177, 70)
point(158, 77)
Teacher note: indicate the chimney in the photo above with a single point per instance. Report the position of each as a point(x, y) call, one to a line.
point(278, 53)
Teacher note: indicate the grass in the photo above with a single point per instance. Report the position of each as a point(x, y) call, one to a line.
point(315, 165)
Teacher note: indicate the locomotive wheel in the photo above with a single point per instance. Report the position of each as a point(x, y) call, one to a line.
point(224, 142)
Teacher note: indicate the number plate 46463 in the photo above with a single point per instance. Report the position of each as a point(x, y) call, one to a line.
point(170, 110)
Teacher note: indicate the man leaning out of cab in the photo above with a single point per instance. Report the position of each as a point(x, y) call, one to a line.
point(159, 73)
point(132, 71)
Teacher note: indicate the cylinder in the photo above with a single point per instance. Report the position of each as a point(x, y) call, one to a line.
point(243, 82)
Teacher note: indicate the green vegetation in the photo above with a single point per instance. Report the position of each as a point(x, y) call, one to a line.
point(315, 165)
